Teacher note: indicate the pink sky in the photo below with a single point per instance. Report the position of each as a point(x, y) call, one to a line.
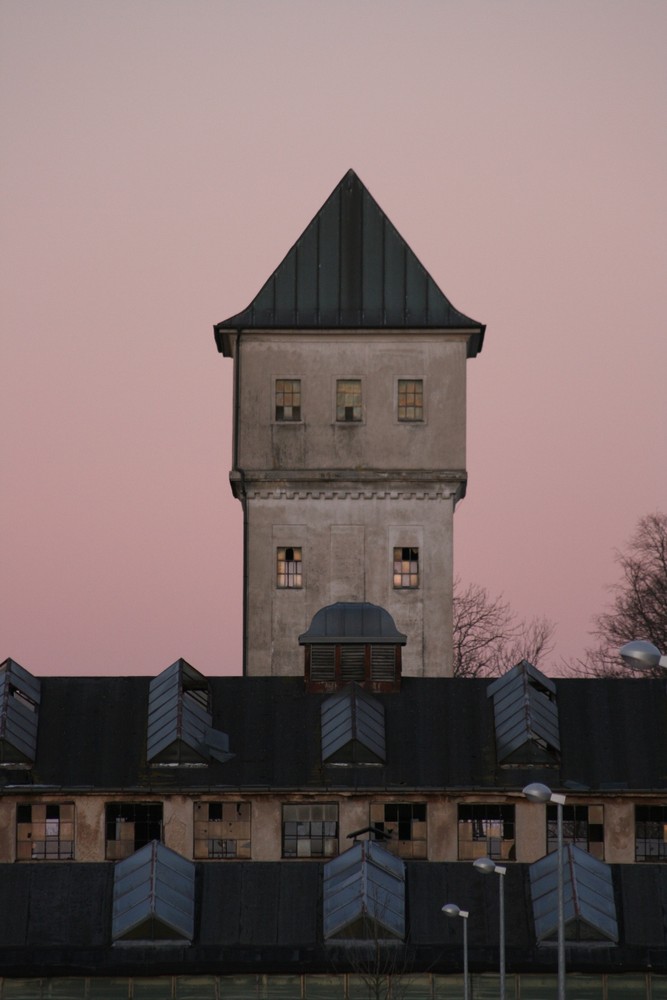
point(160, 157)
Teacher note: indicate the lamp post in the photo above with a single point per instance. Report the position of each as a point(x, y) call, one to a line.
point(452, 910)
point(642, 655)
point(486, 866)
point(538, 792)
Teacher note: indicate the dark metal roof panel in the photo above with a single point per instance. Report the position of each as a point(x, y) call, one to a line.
point(351, 269)
point(350, 622)
point(20, 695)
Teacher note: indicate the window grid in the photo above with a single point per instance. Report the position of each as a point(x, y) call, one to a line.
point(288, 399)
point(222, 830)
point(582, 826)
point(410, 399)
point(651, 833)
point(486, 830)
point(45, 832)
point(131, 825)
point(348, 400)
point(406, 568)
point(405, 823)
point(310, 830)
point(289, 575)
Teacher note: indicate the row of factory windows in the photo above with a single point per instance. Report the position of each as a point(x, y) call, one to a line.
point(289, 567)
point(348, 405)
point(222, 830)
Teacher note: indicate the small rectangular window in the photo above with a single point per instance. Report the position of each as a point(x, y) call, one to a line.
point(348, 400)
point(401, 827)
point(406, 568)
point(289, 568)
point(45, 832)
point(650, 833)
point(486, 831)
point(222, 830)
point(288, 399)
point(310, 830)
point(410, 399)
point(131, 825)
point(582, 826)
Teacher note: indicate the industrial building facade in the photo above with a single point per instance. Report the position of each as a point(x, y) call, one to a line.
point(294, 832)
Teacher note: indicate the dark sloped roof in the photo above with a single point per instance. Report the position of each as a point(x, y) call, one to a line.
point(351, 269)
point(439, 733)
point(267, 917)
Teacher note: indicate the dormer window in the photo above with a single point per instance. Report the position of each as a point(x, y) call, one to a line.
point(19, 710)
point(352, 642)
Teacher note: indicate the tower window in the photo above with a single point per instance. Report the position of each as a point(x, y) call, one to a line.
point(406, 568)
point(410, 399)
point(45, 832)
point(289, 572)
point(288, 399)
point(348, 400)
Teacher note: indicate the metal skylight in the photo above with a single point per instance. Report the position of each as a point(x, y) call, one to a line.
point(180, 731)
point(154, 896)
point(364, 894)
point(590, 909)
point(352, 728)
point(526, 717)
point(19, 709)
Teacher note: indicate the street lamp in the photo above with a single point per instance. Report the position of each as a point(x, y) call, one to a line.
point(452, 910)
point(486, 866)
point(538, 792)
point(642, 655)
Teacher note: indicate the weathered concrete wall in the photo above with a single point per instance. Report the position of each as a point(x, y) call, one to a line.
point(348, 493)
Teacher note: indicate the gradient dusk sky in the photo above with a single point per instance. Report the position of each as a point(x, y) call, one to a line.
point(161, 156)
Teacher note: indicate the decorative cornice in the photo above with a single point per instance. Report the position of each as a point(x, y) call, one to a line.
point(348, 485)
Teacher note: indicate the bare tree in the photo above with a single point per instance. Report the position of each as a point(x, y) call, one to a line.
point(488, 636)
point(638, 607)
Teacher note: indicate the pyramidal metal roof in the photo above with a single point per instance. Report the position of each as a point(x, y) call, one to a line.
point(351, 269)
point(154, 896)
point(353, 728)
point(588, 897)
point(19, 706)
point(364, 894)
point(526, 717)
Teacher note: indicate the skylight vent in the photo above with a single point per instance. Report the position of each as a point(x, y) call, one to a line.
point(526, 718)
point(590, 909)
point(153, 897)
point(180, 731)
point(19, 710)
point(353, 729)
point(353, 642)
point(364, 894)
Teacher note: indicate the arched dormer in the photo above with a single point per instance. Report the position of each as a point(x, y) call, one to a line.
point(352, 642)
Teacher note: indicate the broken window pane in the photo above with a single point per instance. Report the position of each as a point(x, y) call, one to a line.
point(289, 568)
point(406, 568)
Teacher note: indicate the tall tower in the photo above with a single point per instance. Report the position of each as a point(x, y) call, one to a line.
point(349, 437)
